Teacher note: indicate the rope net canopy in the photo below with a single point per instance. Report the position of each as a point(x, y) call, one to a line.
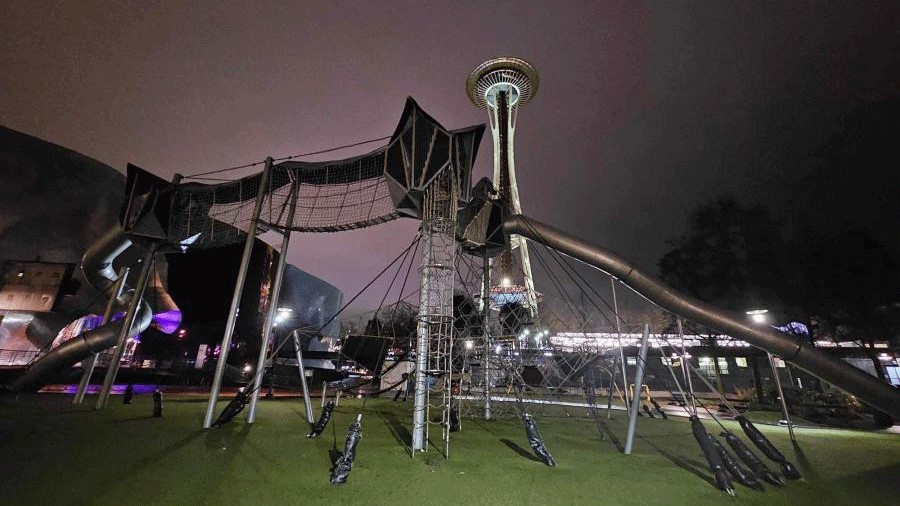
point(329, 196)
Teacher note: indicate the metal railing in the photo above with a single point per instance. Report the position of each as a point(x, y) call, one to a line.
point(17, 357)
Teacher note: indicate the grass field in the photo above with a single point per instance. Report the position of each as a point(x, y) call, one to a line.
point(54, 453)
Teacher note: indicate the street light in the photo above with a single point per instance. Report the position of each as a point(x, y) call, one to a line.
point(758, 315)
point(282, 314)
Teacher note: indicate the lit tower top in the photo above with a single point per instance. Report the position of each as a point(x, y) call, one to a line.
point(502, 86)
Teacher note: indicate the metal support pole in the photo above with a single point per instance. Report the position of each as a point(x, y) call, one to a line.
point(273, 306)
point(307, 402)
point(485, 316)
point(685, 367)
point(784, 407)
point(130, 314)
point(421, 394)
point(638, 380)
point(612, 284)
point(612, 384)
point(89, 363)
point(324, 390)
point(236, 298)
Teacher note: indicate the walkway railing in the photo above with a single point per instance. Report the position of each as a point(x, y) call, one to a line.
point(16, 357)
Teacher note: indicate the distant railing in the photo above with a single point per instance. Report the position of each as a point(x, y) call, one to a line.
point(22, 358)
point(16, 357)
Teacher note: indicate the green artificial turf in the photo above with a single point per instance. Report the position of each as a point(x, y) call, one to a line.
point(54, 453)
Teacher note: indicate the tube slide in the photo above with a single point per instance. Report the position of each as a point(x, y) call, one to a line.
point(97, 269)
point(833, 370)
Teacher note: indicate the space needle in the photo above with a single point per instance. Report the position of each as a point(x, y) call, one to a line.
point(502, 86)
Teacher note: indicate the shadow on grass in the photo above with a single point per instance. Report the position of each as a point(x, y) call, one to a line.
point(518, 449)
point(133, 419)
point(398, 429)
point(334, 454)
point(694, 467)
point(226, 437)
point(139, 467)
point(606, 432)
point(875, 479)
point(803, 462)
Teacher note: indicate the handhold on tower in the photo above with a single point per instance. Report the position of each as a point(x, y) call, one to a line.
point(479, 224)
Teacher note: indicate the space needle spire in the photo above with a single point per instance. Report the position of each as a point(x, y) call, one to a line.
point(502, 86)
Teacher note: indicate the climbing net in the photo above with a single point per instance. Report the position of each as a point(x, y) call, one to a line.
point(329, 197)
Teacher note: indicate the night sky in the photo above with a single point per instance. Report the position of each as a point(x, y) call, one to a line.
point(643, 112)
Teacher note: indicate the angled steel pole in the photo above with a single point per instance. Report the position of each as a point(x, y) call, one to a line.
point(638, 381)
point(612, 384)
point(236, 298)
point(89, 363)
point(307, 402)
point(133, 306)
point(784, 408)
point(485, 316)
point(273, 304)
point(612, 284)
point(685, 365)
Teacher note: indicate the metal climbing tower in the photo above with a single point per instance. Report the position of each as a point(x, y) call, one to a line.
point(435, 330)
point(502, 86)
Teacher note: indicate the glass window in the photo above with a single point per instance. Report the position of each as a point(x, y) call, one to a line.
point(632, 360)
point(779, 362)
point(670, 362)
point(707, 367)
point(723, 365)
point(741, 361)
point(893, 374)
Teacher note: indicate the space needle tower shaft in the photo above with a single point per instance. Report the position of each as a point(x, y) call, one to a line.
point(502, 86)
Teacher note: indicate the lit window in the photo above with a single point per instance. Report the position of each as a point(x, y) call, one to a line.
point(707, 367)
point(741, 361)
point(779, 362)
point(632, 360)
point(723, 365)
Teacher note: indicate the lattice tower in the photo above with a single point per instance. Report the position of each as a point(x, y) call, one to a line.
point(434, 346)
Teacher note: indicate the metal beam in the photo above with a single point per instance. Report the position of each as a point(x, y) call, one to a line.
point(236, 298)
point(272, 310)
point(88, 364)
point(638, 386)
point(127, 324)
point(307, 402)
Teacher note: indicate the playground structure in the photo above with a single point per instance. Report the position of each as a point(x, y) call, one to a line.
point(423, 172)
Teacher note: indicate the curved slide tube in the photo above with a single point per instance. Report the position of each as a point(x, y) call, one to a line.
point(96, 266)
point(833, 370)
